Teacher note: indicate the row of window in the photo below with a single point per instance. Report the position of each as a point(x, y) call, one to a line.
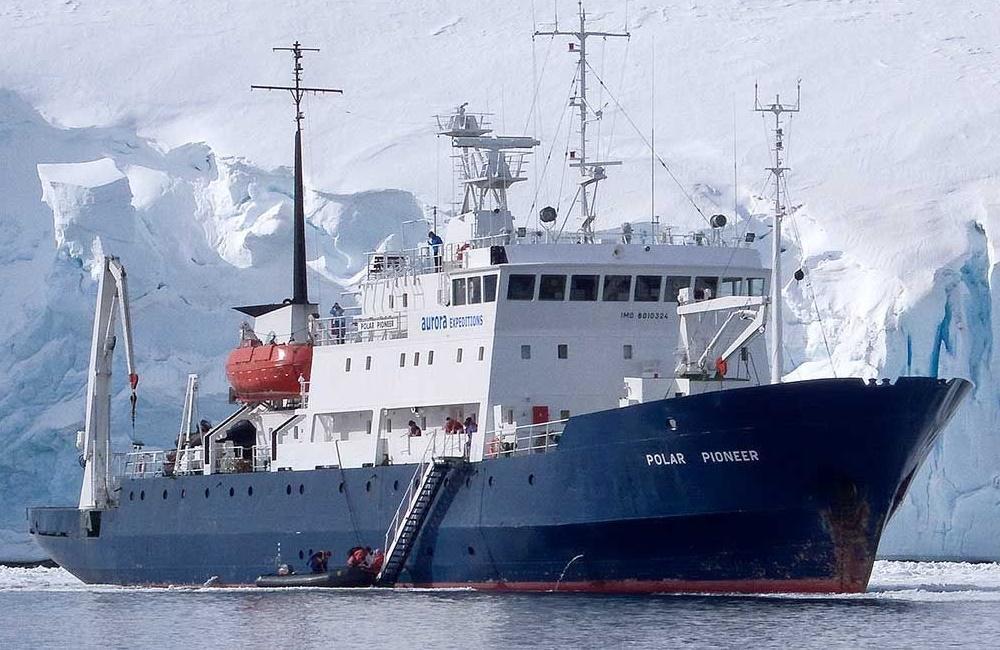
point(623, 288)
point(562, 351)
point(416, 358)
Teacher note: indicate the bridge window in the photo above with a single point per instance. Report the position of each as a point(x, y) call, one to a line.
point(475, 290)
point(489, 288)
point(674, 284)
point(626, 351)
point(521, 287)
point(583, 287)
point(755, 286)
point(552, 287)
point(731, 287)
point(647, 288)
point(562, 351)
point(525, 351)
point(458, 291)
point(617, 288)
point(705, 287)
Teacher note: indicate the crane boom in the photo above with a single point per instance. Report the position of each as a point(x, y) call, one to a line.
point(112, 302)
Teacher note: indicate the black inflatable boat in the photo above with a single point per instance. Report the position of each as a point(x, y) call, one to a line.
point(345, 577)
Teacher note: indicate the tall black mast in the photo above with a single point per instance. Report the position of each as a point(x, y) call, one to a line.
point(300, 291)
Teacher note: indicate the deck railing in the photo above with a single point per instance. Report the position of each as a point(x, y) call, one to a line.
point(525, 439)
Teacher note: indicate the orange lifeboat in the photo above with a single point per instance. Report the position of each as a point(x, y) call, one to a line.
point(268, 371)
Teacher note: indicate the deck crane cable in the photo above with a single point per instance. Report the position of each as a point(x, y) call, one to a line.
point(646, 142)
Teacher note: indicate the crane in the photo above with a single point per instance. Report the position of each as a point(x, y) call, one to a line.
point(95, 442)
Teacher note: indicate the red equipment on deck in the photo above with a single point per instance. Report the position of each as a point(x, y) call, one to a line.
point(267, 371)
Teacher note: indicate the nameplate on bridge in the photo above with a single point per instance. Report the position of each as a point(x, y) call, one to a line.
point(378, 324)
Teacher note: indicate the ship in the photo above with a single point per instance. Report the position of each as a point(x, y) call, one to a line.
point(512, 406)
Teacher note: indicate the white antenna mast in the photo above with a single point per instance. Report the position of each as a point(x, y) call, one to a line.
point(777, 171)
point(591, 172)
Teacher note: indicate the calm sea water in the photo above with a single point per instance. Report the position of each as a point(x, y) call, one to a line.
point(909, 605)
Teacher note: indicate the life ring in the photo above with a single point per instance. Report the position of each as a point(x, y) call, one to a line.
point(721, 366)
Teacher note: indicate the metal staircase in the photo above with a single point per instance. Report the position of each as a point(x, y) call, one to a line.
point(414, 508)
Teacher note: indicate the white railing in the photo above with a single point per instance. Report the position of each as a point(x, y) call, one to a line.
point(339, 330)
point(172, 462)
point(146, 464)
point(238, 460)
point(526, 439)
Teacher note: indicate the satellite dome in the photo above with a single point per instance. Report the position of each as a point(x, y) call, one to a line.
point(547, 214)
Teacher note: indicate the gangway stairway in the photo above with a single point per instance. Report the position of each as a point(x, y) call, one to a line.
point(413, 511)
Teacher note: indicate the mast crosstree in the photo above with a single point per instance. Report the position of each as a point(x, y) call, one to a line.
point(300, 291)
point(591, 171)
point(777, 109)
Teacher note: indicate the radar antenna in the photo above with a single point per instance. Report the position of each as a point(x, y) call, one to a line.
point(591, 171)
point(300, 292)
point(778, 172)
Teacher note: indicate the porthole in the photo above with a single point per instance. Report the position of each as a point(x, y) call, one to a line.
point(288, 489)
point(131, 496)
point(142, 496)
point(531, 479)
point(491, 481)
point(206, 493)
point(302, 555)
point(302, 488)
point(232, 492)
point(368, 486)
point(472, 551)
point(183, 492)
point(672, 424)
point(164, 495)
point(395, 485)
point(250, 491)
point(341, 488)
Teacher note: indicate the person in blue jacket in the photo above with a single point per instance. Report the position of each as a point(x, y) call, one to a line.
point(436, 243)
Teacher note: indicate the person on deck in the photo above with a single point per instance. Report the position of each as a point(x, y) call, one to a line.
point(318, 561)
point(470, 425)
point(436, 243)
point(339, 322)
point(451, 425)
point(414, 430)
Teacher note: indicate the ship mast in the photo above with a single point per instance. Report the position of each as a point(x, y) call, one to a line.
point(777, 172)
point(300, 292)
point(591, 172)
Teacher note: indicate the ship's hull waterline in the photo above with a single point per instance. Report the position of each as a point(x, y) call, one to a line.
point(782, 488)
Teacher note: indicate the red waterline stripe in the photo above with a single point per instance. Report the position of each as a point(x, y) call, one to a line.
point(805, 586)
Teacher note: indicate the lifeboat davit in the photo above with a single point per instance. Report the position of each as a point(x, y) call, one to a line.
point(268, 371)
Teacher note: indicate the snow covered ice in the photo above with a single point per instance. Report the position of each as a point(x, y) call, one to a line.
point(132, 132)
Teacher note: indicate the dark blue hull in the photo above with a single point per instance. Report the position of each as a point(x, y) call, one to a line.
point(773, 488)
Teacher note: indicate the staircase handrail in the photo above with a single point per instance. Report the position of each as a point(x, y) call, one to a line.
point(409, 500)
